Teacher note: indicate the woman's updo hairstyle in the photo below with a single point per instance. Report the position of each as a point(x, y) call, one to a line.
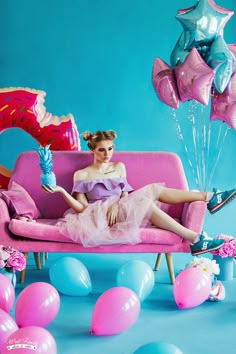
point(100, 135)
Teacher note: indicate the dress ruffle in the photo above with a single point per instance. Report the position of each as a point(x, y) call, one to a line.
point(101, 189)
point(85, 186)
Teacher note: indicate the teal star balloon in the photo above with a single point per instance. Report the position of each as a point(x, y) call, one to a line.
point(202, 23)
point(222, 61)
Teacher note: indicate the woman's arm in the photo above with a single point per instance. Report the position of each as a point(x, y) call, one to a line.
point(122, 171)
point(112, 212)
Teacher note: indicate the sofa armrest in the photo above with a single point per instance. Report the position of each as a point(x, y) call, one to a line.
point(5, 218)
point(4, 212)
point(193, 215)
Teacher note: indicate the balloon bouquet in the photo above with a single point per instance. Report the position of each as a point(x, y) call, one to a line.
point(203, 65)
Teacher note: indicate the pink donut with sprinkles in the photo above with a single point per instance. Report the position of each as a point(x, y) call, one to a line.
point(23, 108)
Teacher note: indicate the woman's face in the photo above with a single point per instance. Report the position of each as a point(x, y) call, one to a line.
point(103, 151)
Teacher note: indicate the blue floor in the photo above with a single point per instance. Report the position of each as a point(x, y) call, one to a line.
point(205, 329)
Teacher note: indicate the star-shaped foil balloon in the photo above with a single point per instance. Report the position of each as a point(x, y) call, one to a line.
point(163, 80)
point(222, 61)
point(194, 78)
point(232, 48)
point(178, 54)
point(202, 22)
point(223, 106)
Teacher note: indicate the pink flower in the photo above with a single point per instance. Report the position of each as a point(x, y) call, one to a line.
point(16, 261)
point(228, 249)
point(4, 255)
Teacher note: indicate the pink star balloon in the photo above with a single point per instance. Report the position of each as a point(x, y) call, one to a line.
point(163, 80)
point(223, 106)
point(232, 48)
point(194, 78)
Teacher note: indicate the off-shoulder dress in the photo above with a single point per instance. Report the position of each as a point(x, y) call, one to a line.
point(90, 227)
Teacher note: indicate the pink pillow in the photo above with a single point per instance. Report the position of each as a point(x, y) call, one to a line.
point(20, 202)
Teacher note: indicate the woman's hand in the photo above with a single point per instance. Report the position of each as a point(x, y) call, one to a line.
point(50, 189)
point(112, 213)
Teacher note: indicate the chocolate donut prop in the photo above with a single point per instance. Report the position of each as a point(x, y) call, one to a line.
point(23, 108)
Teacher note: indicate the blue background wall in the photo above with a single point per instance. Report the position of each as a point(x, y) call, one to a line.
point(94, 59)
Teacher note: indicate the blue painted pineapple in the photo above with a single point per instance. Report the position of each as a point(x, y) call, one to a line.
point(47, 177)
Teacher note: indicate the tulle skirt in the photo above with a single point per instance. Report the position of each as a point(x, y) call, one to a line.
point(90, 228)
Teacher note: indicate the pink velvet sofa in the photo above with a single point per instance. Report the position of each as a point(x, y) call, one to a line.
point(142, 168)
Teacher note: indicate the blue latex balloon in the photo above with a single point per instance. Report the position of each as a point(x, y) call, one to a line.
point(137, 276)
point(158, 348)
point(70, 277)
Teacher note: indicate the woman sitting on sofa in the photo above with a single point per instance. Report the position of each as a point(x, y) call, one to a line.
point(104, 209)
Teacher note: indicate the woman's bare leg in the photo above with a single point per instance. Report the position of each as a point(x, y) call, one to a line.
point(175, 196)
point(155, 191)
point(162, 220)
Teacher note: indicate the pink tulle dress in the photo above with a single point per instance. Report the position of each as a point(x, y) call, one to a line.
point(90, 227)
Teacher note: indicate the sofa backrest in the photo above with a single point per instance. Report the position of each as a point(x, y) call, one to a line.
point(142, 168)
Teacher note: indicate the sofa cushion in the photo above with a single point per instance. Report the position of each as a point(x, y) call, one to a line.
point(47, 230)
point(20, 202)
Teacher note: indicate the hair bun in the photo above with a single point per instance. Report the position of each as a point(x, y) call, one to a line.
point(112, 133)
point(86, 135)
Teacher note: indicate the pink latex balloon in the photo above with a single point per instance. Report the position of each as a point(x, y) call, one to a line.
point(30, 339)
point(7, 293)
point(115, 311)
point(163, 80)
point(194, 78)
point(191, 288)
point(37, 305)
point(7, 327)
point(223, 106)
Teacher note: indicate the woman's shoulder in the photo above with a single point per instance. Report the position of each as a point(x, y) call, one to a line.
point(81, 174)
point(120, 167)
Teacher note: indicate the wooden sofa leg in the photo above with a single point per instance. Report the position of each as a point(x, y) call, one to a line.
point(158, 261)
point(37, 260)
point(22, 273)
point(170, 267)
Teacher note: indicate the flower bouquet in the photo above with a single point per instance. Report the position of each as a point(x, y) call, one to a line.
point(207, 265)
point(11, 259)
point(228, 249)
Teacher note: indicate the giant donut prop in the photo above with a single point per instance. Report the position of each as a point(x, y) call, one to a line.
point(23, 108)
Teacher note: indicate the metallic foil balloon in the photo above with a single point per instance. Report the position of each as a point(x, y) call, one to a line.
point(223, 106)
point(179, 54)
point(164, 83)
point(222, 61)
point(202, 22)
point(232, 48)
point(194, 78)
point(216, 8)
